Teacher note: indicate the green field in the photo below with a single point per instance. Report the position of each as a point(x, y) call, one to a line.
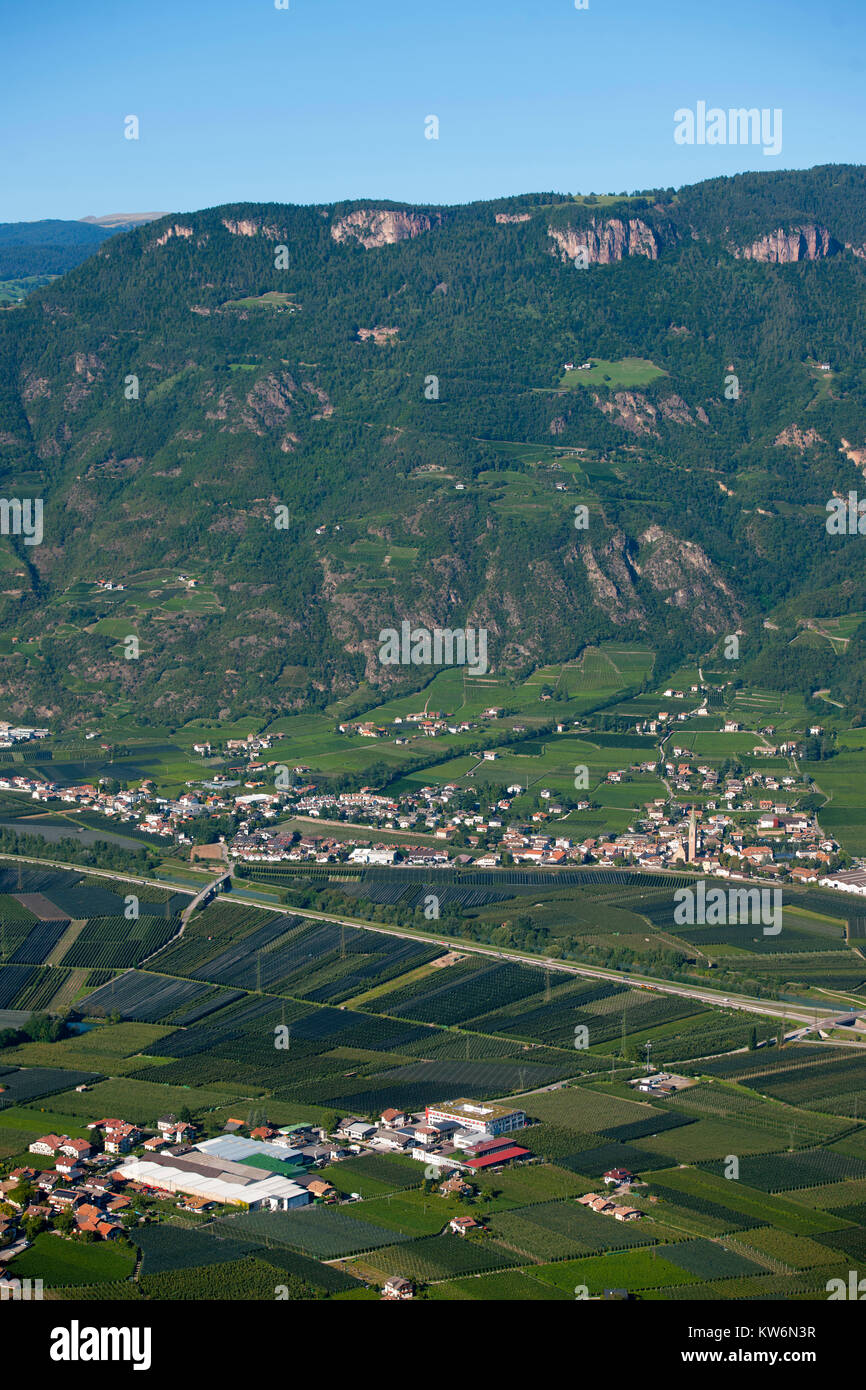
point(628, 372)
point(59, 1262)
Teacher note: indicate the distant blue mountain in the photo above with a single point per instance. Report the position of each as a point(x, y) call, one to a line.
point(49, 247)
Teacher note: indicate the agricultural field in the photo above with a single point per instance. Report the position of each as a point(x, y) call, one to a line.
point(372, 1020)
point(374, 1174)
point(433, 1258)
point(825, 1079)
point(139, 1101)
point(636, 1269)
point(513, 1286)
point(63, 1262)
point(245, 1280)
point(560, 1230)
point(324, 1233)
point(785, 1172)
point(28, 1084)
point(168, 1247)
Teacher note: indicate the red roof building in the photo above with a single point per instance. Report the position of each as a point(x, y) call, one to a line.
point(499, 1156)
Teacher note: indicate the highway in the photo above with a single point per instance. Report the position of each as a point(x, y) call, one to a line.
point(769, 1008)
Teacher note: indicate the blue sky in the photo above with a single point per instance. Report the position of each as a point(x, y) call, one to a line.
point(328, 99)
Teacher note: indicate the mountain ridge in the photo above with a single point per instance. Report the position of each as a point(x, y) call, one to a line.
point(401, 385)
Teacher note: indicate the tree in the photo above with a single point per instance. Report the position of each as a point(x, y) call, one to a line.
point(64, 1222)
point(23, 1194)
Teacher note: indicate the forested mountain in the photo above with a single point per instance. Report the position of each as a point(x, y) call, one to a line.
point(49, 247)
point(334, 419)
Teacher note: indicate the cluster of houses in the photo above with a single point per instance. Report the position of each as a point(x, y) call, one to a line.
point(736, 835)
point(101, 1179)
point(745, 824)
point(431, 724)
point(620, 1181)
point(98, 1180)
point(460, 1137)
point(80, 1182)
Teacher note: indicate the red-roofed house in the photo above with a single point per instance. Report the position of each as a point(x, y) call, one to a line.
point(120, 1138)
point(49, 1144)
point(76, 1148)
point(67, 1167)
point(393, 1119)
point(462, 1225)
point(618, 1175)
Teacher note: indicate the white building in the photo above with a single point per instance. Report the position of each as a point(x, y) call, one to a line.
point(217, 1180)
point(493, 1118)
point(847, 881)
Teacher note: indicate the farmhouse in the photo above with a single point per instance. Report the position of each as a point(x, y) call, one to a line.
point(617, 1176)
point(393, 1119)
point(76, 1148)
point(462, 1225)
point(398, 1288)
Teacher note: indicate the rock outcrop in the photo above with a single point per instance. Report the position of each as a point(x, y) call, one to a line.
point(88, 369)
point(683, 574)
point(808, 243)
point(792, 437)
point(381, 226)
point(675, 409)
point(610, 575)
point(630, 410)
point(605, 240)
point(177, 229)
point(854, 455)
point(248, 226)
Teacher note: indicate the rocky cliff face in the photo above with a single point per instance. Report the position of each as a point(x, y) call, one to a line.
point(630, 410)
point(682, 573)
point(611, 577)
point(807, 243)
point(679, 571)
point(381, 226)
point(176, 229)
point(792, 437)
point(249, 226)
point(606, 240)
point(267, 409)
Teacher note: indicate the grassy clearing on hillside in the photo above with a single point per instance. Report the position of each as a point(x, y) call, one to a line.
point(627, 372)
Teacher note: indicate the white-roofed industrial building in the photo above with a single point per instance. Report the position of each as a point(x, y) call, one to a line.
point(236, 1149)
point(218, 1180)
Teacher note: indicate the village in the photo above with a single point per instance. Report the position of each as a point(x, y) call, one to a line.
point(124, 1174)
point(723, 820)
